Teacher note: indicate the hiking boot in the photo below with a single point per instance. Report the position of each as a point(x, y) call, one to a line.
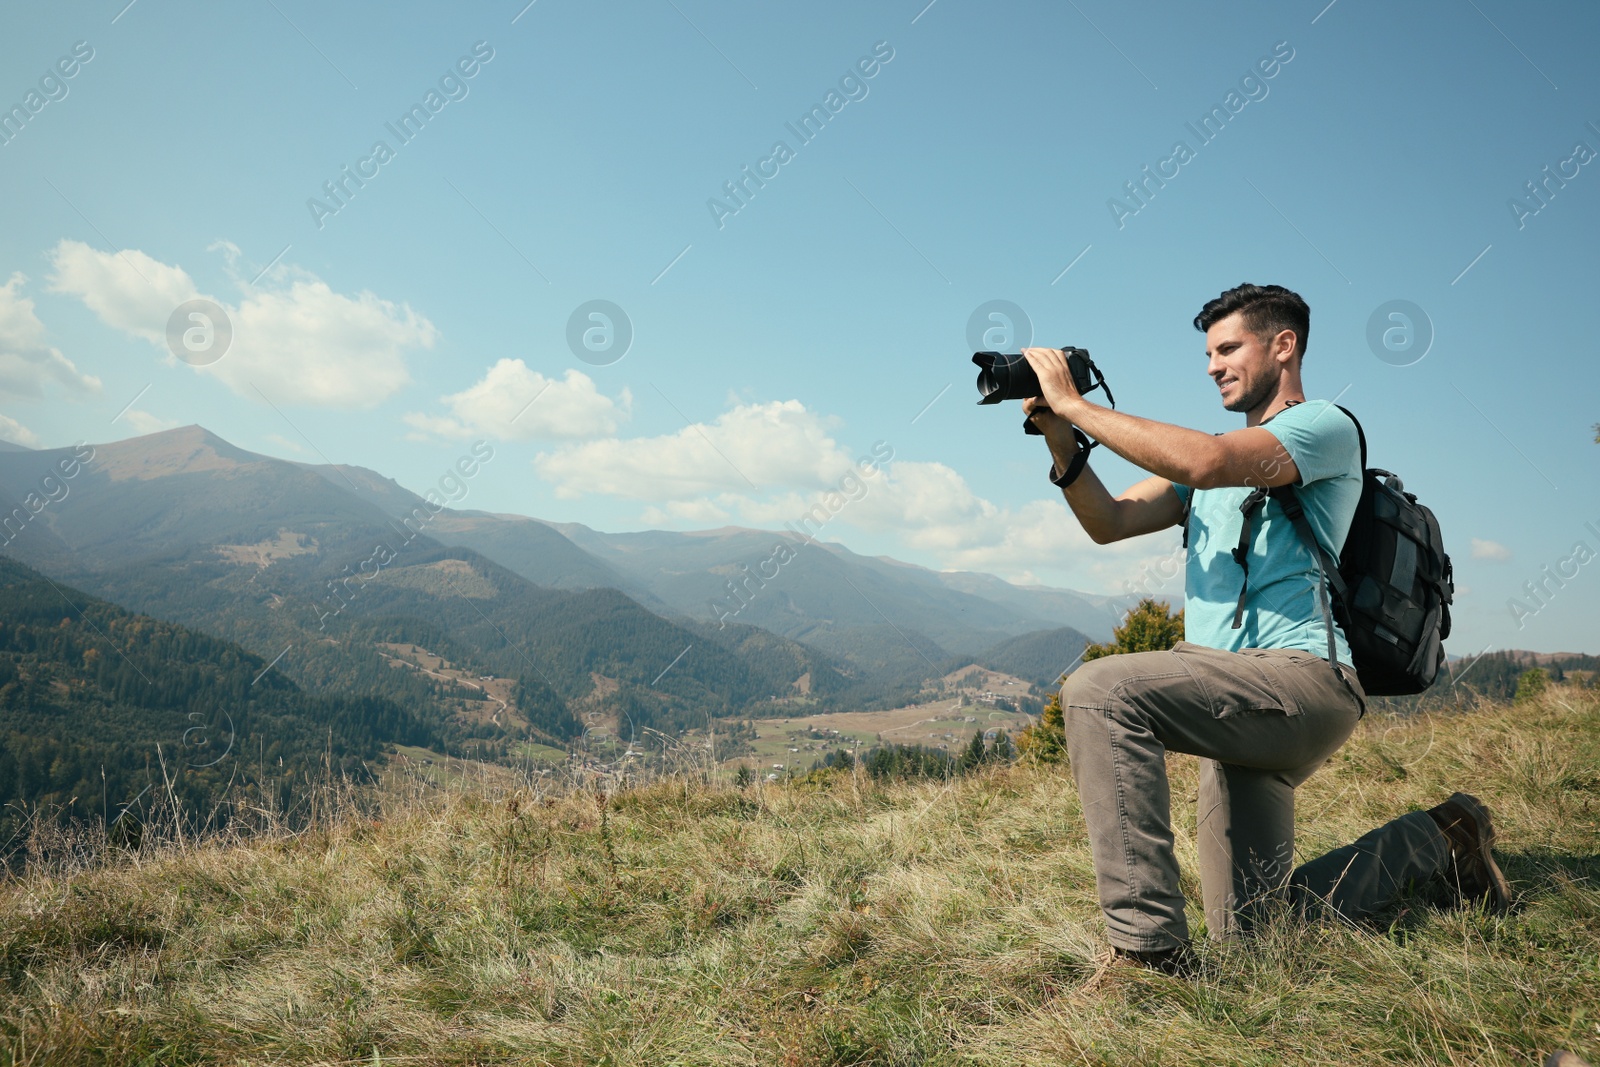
point(1179, 962)
point(1565, 1059)
point(1464, 821)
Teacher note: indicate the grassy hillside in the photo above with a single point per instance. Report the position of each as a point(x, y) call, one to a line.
point(832, 922)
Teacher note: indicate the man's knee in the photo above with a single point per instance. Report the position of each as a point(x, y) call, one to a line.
point(1088, 697)
point(1091, 685)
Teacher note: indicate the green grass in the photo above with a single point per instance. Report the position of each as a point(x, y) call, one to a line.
point(838, 922)
point(441, 770)
point(544, 754)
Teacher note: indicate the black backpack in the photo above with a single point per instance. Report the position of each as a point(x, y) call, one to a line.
point(1392, 585)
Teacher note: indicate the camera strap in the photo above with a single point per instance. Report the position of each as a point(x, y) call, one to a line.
point(1075, 465)
point(1100, 381)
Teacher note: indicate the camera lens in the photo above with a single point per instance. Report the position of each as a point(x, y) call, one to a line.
point(1004, 376)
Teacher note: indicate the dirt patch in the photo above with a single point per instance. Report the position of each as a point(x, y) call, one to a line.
point(265, 553)
point(485, 698)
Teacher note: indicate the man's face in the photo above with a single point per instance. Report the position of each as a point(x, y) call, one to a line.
point(1243, 365)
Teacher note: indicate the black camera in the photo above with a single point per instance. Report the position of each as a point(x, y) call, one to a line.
point(1008, 376)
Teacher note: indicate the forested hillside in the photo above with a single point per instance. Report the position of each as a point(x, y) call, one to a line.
point(592, 647)
point(1039, 657)
point(103, 711)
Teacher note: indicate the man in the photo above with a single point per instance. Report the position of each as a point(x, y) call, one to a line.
point(1255, 700)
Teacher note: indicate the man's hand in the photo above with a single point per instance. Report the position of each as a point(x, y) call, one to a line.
point(1044, 417)
point(1055, 379)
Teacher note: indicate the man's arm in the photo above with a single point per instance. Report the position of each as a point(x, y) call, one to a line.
point(1145, 507)
point(1252, 456)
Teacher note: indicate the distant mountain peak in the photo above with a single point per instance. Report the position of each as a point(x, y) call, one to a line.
point(185, 449)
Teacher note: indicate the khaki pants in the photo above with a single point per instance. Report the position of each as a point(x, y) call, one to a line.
point(1262, 720)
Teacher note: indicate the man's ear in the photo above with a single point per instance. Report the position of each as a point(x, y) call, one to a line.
point(1283, 345)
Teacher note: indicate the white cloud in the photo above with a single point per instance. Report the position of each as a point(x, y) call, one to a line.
point(144, 422)
point(753, 447)
point(512, 402)
point(27, 364)
point(18, 434)
point(311, 344)
point(699, 512)
point(294, 338)
point(1489, 550)
point(128, 291)
point(776, 465)
point(933, 510)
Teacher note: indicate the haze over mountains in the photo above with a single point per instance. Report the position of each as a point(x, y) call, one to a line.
point(323, 563)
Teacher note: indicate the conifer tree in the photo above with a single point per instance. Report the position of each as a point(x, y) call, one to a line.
point(1045, 740)
point(1531, 685)
point(974, 754)
point(1003, 751)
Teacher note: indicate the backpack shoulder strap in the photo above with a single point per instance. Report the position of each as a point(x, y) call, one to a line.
point(1360, 434)
point(1290, 502)
point(1241, 552)
point(1287, 499)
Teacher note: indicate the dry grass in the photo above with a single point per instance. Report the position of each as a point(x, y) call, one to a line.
point(836, 922)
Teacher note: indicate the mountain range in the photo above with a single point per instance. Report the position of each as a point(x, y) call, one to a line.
point(319, 567)
point(826, 594)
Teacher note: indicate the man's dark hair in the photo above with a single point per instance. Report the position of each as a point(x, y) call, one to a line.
point(1268, 310)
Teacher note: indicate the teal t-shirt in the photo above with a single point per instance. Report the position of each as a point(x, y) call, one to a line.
point(1281, 609)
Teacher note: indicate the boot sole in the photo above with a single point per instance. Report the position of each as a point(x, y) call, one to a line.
point(1499, 891)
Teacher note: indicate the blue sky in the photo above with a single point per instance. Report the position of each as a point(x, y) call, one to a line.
point(774, 346)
